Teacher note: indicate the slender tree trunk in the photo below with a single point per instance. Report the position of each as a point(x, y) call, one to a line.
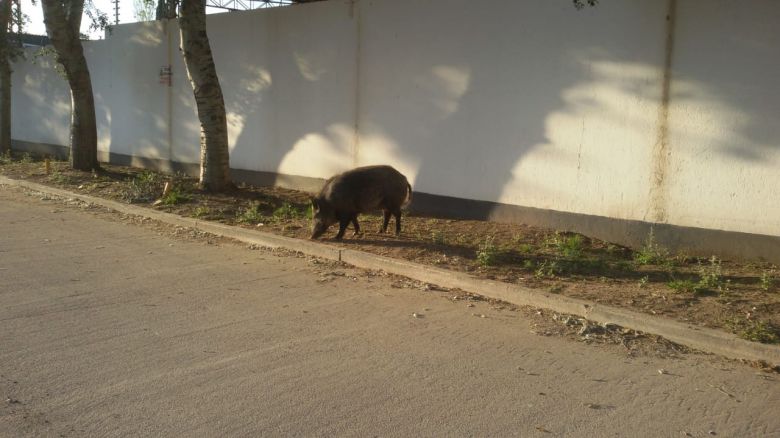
point(63, 21)
point(214, 152)
point(5, 77)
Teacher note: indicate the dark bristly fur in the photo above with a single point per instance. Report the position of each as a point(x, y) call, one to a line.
point(360, 190)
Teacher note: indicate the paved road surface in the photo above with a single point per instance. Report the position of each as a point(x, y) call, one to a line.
point(111, 329)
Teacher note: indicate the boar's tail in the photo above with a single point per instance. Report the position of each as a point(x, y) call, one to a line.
point(408, 199)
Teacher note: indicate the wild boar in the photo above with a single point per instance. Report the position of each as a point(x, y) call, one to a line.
point(360, 190)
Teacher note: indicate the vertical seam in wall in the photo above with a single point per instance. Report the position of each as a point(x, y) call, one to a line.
point(169, 91)
point(356, 15)
point(661, 150)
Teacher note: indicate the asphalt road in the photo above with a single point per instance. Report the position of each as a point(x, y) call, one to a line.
point(115, 329)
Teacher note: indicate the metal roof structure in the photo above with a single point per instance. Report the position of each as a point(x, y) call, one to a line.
point(243, 5)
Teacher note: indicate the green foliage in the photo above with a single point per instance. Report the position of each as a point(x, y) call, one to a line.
point(684, 286)
point(711, 274)
point(487, 254)
point(644, 280)
point(250, 215)
point(756, 331)
point(201, 212)
point(5, 158)
point(767, 281)
point(288, 211)
point(175, 196)
point(525, 248)
point(651, 252)
point(437, 237)
point(60, 178)
point(143, 188)
point(548, 268)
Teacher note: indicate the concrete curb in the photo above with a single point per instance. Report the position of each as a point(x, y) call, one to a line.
point(700, 338)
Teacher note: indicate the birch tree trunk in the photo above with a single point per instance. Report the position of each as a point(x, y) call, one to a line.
point(5, 77)
point(214, 152)
point(63, 21)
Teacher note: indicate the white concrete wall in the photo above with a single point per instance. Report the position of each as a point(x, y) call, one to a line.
point(530, 103)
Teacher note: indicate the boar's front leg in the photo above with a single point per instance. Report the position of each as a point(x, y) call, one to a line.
point(386, 220)
point(343, 223)
point(356, 225)
point(397, 215)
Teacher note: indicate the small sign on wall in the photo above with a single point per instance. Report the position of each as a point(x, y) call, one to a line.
point(165, 75)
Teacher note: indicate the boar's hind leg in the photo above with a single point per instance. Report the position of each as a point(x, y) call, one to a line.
point(386, 220)
point(342, 228)
point(356, 225)
point(397, 214)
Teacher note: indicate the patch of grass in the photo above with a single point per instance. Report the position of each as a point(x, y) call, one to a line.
point(201, 212)
point(767, 281)
point(756, 331)
point(250, 215)
point(26, 158)
point(711, 274)
point(175, 196)
point(487, 254)
point(288, 211)
point(651, 252)
point(525, 248)
point(145, 187)
point(548, 268)
point(438, 238)
point(6, 158)
point(684, 286)
point(60, 178)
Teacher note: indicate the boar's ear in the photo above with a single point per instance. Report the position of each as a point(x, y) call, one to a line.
point(314, 204)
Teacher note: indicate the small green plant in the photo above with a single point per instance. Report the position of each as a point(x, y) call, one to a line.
point(548, 268)
point(767, 281)
point(571, 246)
point(5, 158)
point(525, 248)
point(438, 238)
point(145, 187)
point(26, 158)
point(250, 215)
point(756, 331)
point(684, 286)
point(487, 254)
point(175, 196)
point(287, 211)
point(59, 178)
point(651, 252)
point(711, 274)
point(643, 281)
point(201, 212)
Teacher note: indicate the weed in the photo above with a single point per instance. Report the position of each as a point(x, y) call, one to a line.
point(438, 238)
point(525, 248)
point(60, 178)
point(143, 188)
point(643, 281)
point(287, 211)
point(175, 196)
point(487, 254)
point(756, 331)
point(711, 275)
point(548, 269)
point(26, 158)
point(250, 214)
point(767, 281)
point(684, 286)
point(651, 252)
point(528, 264)
point(6, 158)
point(201, 211)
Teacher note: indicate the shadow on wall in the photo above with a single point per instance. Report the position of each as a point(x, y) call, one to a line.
point(41, 102)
